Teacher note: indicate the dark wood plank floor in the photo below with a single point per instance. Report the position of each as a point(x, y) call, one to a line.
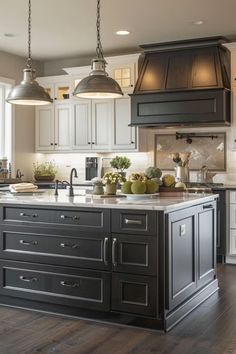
point(210, 329)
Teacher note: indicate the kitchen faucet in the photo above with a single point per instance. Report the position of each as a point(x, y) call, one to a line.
point(57, 184)
point(72, 172)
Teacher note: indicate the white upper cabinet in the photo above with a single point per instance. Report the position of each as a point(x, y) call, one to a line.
point(91, 124)
point(53, 122)
point(44, 128)
point(73, 124)
point(62, 127)
point(124, 137)
point(81, 127)
point(102, 113)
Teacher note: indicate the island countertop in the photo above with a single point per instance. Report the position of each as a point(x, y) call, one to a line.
point(47, 198)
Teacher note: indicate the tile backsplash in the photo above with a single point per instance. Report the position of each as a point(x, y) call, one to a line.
point(141, 160)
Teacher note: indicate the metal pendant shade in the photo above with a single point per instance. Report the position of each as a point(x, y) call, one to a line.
point(29, 92)
point(98, 84)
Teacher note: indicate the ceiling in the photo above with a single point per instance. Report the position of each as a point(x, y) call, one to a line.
point(66, 28)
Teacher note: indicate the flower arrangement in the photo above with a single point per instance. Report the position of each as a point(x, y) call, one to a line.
point(113, 178)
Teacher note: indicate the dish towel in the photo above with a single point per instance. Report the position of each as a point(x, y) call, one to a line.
point(23, 188)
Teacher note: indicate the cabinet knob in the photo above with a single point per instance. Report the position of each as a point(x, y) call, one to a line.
point(64, 245)
point(55, 144)
point(132, 142)
point(28, 279)
point(93, 143)
point(24, 215)
point(89, 143)
point(113, 252)
point(51, 144)
point(208, 206)
point(132, 222)
point(105, 248)
point(74, 217)
point(28, 243)
point(69, 284)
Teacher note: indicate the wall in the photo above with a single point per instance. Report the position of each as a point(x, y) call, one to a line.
point(11, 67)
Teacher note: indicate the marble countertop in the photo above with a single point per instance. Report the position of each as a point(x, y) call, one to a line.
point(81, 199)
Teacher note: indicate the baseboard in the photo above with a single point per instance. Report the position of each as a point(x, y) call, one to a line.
point(182, 311)
point(230, 260)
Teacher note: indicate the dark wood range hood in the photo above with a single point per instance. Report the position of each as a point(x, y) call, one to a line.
point(181, 83)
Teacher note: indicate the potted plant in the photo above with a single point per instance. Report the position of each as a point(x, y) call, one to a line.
point(45, 171)
point(110, 180)
point(121, 163)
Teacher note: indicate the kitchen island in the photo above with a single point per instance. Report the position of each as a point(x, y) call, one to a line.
point(141, 262)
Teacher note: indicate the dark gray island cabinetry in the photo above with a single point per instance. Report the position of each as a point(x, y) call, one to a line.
point(144, 265)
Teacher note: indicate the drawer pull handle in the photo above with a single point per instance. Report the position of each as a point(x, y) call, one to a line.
point(29, 243)
point(105, 244)
point(28, 279)
point(114, 260)
point(70, 217)
point(208, 206)
point(64, 245)
point(133, 222)
point(69, 284)
point(24, 215)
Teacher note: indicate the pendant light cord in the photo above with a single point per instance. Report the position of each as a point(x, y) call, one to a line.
point(99, 44)
point(29, 60)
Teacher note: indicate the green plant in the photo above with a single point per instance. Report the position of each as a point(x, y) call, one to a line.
point(113, 178)
point(44, 169)
point(120, 163)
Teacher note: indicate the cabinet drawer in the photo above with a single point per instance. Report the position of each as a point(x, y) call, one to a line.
point(232, 197)
point(232, 216)
point(134, 294)
point(134, 222)
point(89, 219)
point(67, 286)
point(89, 250)
point(134, 254)
point(232, 242)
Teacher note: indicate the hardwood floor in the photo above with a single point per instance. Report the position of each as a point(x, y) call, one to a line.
point(210, 329)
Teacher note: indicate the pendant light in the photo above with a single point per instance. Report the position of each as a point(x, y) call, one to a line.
point(29, 92)
point(98, 84)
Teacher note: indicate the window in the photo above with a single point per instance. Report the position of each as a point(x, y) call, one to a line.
point(123, 77)
point(6, 120)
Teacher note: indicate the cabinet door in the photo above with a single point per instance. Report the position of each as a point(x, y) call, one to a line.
point(206, 243)
point(232, 216)
point(82, 125)
point(134, 254)
point(232, 242)
point(181, 267)
point(62, 127)
point(124, 137)
point(102, 115)
point(45, 128)
point(134, 294)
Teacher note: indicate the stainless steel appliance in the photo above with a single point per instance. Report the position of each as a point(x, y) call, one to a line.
point(92, 168)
